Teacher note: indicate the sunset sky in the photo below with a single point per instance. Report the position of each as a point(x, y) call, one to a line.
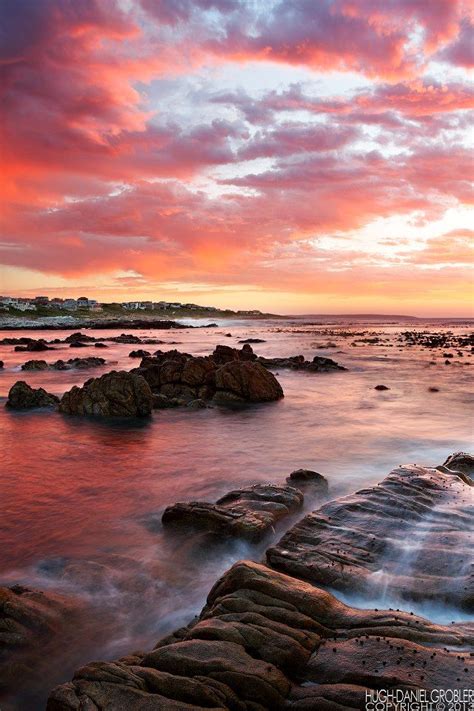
point(294, 156)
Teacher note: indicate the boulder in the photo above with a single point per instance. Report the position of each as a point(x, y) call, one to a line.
point(381, 387)
point(308, 479)
point(241, 382)
point(406, 538)
point(244, 513)
point(115, 394)
point(460, 462)
point(35, 365)
point(24, 397)
point(140, 353)
point(80, 363)
point(227, 354)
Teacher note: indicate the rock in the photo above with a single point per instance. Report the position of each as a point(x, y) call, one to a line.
point(197, 404)
point(115, 394)
point(307, 477)
point(35, 365)
point(1, 364)
point(23, 397)
point(78, 344)
point(80, 363)
point(433, 390)
point(161, 402)
point(253, 340)
point(228, 335)
point(407, 537)
point(33, 345)
point(73, 337)
point(140, 353)
point(227, 354)
point(462, 463)
point(240, 382)
point(30, 625)
point(298, 362)
point(244, 513)
point(100, 345)
point(381, 387)
point(266, 641)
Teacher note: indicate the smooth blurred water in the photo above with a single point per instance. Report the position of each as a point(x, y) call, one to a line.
point(83, 490)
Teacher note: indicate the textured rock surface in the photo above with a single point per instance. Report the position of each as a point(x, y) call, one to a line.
point(261, 636)
point(410, 536)
point(226, 376)
point(24, 397)
point(298, 362)
point(308, 479)
point(115, 394)
point(247, 513)
point(29, 621)
point(240, 381)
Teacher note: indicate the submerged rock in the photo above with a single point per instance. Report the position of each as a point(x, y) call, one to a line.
point(246, 513)
point(265, 641)
point(298, 362)
point(407, 537)
point(381, 387)
point(32, 345)
point(115, 394)
point(24, 397)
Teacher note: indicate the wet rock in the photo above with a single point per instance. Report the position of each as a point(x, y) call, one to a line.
point(32, 345)
point(253, 340)
point(226, 354)
point(30, 624)
point(23, 397)
point(79, 337)
point(161, 402)
point(308, 478)
point(381, 387)
point(298, 362)
point(100, 345)
point(462, 463)
point(244, 513)
point(1, 364)
point(241, 382)
point(433, 390)
point(78, 344)
point(80, 363)
point(266, 641)
point(115, 394)
point(407, 537)
point(35, 365)
point(197, 404)
point(140, 353)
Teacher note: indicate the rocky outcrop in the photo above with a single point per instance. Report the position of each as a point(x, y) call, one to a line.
point(244, 513)
point(140, 353)
point(223, 377)
point(267, 641)
point(24, 397)
point(240, 381)
point(115, 394)
point(407, 537)
point(80, 363)
point(298, 362)
point(32, 345)
point(35, 365)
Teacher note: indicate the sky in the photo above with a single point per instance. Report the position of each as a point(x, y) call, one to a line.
point(294, 156)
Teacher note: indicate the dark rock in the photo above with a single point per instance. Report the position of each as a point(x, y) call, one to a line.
point(240, 381)
point(244, 513)
point(433, 390)
point(115, 394)
point(298, 362)
point(161, 402)
point(253, 340)
point(307, 477)
point(30, 624)
point(227, 354)
point(100, 345)
point(1, 364)
point(23, 397)
point(79, 337)
point(80, 363)
point(140, 353)
point(381, 387)
point(78, 344)
point(35, 365)
point(358, 543)
point(33, 345)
